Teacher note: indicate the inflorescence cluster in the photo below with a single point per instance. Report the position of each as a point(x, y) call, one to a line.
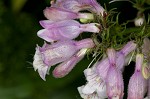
point(112, 45)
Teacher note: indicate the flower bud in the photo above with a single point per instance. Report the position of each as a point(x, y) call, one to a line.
point(139, 21)
point(146, 70)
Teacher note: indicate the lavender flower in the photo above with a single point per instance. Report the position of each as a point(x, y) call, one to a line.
point(114, 80)
point(95, 6)
point(137, 84)
point(64, 68)
point(103, 65)
point(128, 48)
point(62, 30)
point(71, 5)
point(58, 14)
point(78, 5)
point(49, 55)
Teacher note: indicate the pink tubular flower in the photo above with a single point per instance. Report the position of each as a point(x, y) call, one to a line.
point(103, 65)
point(62, 30)
point(146, 48)
point(64, 68)
point(129, 47)
point(122, 54)
point(137, 84)
point(57, 14)
point(95, 6)
point(71, 5)
point(49, 55)
point(114, 80)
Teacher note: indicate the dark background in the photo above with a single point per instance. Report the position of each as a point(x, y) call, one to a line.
point(19, 23)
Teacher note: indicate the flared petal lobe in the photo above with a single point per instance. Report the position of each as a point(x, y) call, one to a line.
point(39, 65)
point(94, 85)
point(87, 96)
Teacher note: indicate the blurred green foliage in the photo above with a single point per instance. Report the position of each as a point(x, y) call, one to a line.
point(18, 27)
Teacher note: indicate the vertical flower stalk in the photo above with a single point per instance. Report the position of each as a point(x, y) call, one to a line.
point(137, 84)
